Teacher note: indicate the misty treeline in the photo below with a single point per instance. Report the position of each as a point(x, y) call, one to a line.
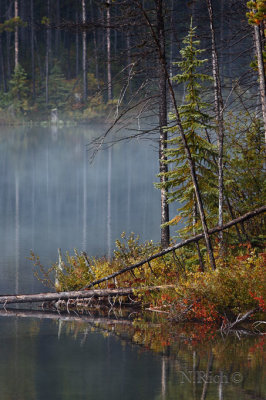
point(137, 60)
point(72, 52)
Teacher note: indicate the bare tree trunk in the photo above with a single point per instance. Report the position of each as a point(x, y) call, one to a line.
point(17, 230)
point(220, 121)
point(194, 232)
point(162, 68)
point(47, 56)
point(8, 37)
point(128, 44)
point(3, 66)
point(77, 48)
point(84, 53)
point(57, 32)
point(8, 40)
point(233, 216)
point(32, 48)
point(108, 46)
point(85, 202)
point(95, 49)
point(16, 34)
point(109, 203)
point(171, 39)
point(40, 65)
point(261, 72)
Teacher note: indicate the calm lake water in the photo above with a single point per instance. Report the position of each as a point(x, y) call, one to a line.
point(52, 197)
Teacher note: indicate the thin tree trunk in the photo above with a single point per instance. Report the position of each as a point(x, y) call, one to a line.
point(162, 68)
point(84, 53)
point(17, 229)
point(128, 44)
point(47, 56)
point(222, 39)
point(8, 40)
point(95, 49)
point(109, 203)
point(32, 49)
point(85, 201)
point(233, 216)
point(16, 35)
point(172, 39)
point(108, 47)
point(57, 32)
point(261, 72)
point(194, 232)
point(77, 47)
point(220, 121)
point(3, 65)
point(40, 65)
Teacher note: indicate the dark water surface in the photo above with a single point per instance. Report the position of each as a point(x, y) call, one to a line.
point(52, 197)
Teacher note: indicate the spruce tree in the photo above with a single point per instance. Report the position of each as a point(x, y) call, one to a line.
point(195, 121)
point(19, 90)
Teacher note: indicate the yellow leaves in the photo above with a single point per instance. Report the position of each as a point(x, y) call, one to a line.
point(175, 220)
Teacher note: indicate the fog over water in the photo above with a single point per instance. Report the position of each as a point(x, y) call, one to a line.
point(51, 196)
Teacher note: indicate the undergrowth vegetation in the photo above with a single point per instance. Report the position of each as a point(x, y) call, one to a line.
point(237, 285)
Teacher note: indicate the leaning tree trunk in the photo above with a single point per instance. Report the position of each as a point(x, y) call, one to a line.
point(220, 121)
point(261, 71)
point(162, 68)
point(182, 133)
point(84, 53)
point(16, 34)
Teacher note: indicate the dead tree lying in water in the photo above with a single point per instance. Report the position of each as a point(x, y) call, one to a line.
point(109, 293)
point(78, 295)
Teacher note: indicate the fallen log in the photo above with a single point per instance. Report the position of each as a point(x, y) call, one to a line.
point(193, 239)
point(81, 294)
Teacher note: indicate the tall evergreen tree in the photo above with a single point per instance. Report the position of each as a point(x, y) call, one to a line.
point(195, 121)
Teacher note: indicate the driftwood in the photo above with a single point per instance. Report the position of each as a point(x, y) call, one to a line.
point(193, 239)
point(227, 326)
point(81, 294)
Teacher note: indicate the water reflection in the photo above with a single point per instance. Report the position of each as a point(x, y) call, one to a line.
point(99, 358)
point(51, 197)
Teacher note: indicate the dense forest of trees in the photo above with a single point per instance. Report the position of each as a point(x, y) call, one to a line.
point(90, 57)
point(76, 54)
